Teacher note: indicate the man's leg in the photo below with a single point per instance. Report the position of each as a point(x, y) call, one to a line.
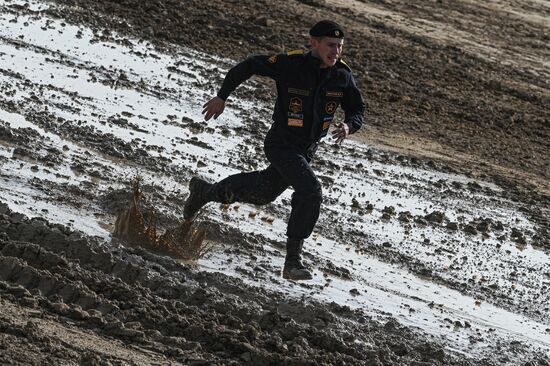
point(306, 203)
point(306, 199)
point(259, 188)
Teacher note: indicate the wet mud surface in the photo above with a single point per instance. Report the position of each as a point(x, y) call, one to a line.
point(470, 77)
point(421, 256)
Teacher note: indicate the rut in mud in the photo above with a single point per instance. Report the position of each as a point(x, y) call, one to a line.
point(56, 284)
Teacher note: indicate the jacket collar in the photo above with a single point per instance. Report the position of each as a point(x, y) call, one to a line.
point(312, 60)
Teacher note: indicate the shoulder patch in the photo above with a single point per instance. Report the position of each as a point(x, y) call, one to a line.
point(295, 52)
point(346, 66)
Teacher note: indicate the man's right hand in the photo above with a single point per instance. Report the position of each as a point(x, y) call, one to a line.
point(213, 108)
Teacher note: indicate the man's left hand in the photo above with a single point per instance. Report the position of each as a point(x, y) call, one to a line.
point(340, 132)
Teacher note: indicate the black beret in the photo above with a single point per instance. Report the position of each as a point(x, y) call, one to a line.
point(326, 28)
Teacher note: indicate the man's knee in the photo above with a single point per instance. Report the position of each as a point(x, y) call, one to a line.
point(314, 195)
point(317, 194)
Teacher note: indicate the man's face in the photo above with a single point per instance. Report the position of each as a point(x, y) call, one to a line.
point(328, 49)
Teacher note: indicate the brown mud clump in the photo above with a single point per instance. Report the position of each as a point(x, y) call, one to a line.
point(183, 242)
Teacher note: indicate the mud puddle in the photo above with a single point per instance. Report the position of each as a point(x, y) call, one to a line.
point(86, 111)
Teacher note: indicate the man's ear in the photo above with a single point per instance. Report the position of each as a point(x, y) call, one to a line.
point(314, 42)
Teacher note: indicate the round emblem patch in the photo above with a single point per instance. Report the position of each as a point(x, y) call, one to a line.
point(295, 105)
point(331, 107)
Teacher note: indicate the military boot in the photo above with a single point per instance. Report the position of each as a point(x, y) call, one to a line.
point(294, 269)
point(198, 197)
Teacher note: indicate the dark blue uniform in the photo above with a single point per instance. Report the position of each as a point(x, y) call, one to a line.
point(307, 96)
point(307, 99)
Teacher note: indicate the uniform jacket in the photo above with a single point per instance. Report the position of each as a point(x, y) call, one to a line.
point(307, 96)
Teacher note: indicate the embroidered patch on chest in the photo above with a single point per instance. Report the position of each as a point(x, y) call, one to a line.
point(295, 115)
point(330, 108)
point(335, 93)
point(327, 120)
point(295, 105)
point(303, 92)
point(296, 122)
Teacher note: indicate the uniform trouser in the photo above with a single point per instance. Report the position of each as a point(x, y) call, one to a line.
point(288, 167)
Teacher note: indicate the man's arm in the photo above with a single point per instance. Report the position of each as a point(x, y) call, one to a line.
point(270, 66)
point(354, 107)
point(254, 65)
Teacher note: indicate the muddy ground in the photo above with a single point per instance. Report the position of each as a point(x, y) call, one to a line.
point(472, 79)
point(432, 247)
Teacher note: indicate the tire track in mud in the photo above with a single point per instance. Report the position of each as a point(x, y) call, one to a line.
point(155, 304)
